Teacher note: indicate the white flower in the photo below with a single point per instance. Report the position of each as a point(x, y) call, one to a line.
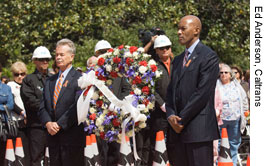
point(141, 49)
point(135, 54)
point(99, 122)
point(128, 54)
point(108, 68)
point(150, 105)
point(127, 47)
point(142, 118)
point(146, 110)
point(152, 62)
point(95, 96)
point(137, 91)
point(146, 55)
point(142, 69)
point(116, 52)
point(92, 110)
point(101, 128)
point(109, 82)
point(142, 125)
point(158, 73)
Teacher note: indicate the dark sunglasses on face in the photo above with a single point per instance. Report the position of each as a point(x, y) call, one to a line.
point(43, 59)
point(166, 47)
point(102, 51)
point(225, 72)
point(19, 74)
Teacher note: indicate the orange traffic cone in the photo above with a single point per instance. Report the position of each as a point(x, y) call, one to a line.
point(96, 157)
point(10, 155)
point(88, 154)
point(160, 157)
point(126, 155)
point(225, 158)
point(19, 152)
point(46, 158)
point(248, 161)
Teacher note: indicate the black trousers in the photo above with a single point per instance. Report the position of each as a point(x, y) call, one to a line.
point(189, 154)
point(67, 155)
point(37, 143)
point(109, 152)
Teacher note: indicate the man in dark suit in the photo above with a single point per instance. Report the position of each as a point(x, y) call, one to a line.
point(58, 111)
point(190, 99)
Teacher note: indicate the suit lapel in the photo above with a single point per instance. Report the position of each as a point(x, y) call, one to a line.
point(190, 62)
point(66, 83)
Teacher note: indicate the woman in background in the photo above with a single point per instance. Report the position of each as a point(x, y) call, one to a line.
point(235, 103)
point(19, 71)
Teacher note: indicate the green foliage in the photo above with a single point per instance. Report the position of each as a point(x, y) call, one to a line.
point(30, 23)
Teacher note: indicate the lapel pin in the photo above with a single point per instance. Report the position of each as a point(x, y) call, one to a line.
point(188, 63)
point(66, 83)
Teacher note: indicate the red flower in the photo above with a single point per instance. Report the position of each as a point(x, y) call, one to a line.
point(143, 63)
point(113, 74)
point(129, 61)
point(132, 92)
point(100, 77)
point(101, 61)
point(145, 90)
point(153, 67)
point(145, 101)
point(116, 60)
point(116, 122)
point(136, 123)
point(99, 103)
point(137, 80)
point(121, 47)
point(92, 116)
point(96, 73)
point(110, 50)
point(102, 135)
point(133, 49)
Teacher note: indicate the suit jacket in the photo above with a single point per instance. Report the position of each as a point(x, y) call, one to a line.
point(158, 117)
point(65, 113)
point(120, 87)
point(190, 94)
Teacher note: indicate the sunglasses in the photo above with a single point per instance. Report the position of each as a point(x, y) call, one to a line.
point(163, 48)
point(102, 51)
point(19, 74)
point(43, 59)
point(225, 72)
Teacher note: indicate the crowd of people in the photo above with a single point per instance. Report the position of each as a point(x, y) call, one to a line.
point(195, 97)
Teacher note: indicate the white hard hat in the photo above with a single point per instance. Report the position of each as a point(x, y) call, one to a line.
point(162, 41)
point(41, 52)
point(102, 44)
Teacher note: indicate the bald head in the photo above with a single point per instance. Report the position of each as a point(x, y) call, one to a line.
point(194, 20)
point(189, 30)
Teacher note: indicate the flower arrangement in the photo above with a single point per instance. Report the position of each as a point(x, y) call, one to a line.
point(108, 118)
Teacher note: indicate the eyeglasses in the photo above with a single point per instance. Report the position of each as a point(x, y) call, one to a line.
point(225, 72)
point(19, 74)
point(163, 48)
point(43, 59)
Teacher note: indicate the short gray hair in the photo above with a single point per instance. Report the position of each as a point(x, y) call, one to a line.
point(229, 70)
point(67, 42)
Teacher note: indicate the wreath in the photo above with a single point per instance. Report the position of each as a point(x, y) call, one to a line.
point(100, 110)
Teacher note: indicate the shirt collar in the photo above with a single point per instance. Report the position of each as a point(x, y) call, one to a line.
point(65, 72)
point(193, 46)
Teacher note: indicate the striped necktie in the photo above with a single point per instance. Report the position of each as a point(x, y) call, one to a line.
point(185, 57)
point(57, 89)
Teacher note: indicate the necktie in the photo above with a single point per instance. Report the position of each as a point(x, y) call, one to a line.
point(57, 89)
point(185, 57)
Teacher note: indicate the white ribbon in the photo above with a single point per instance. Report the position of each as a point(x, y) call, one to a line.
point(83, 105)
